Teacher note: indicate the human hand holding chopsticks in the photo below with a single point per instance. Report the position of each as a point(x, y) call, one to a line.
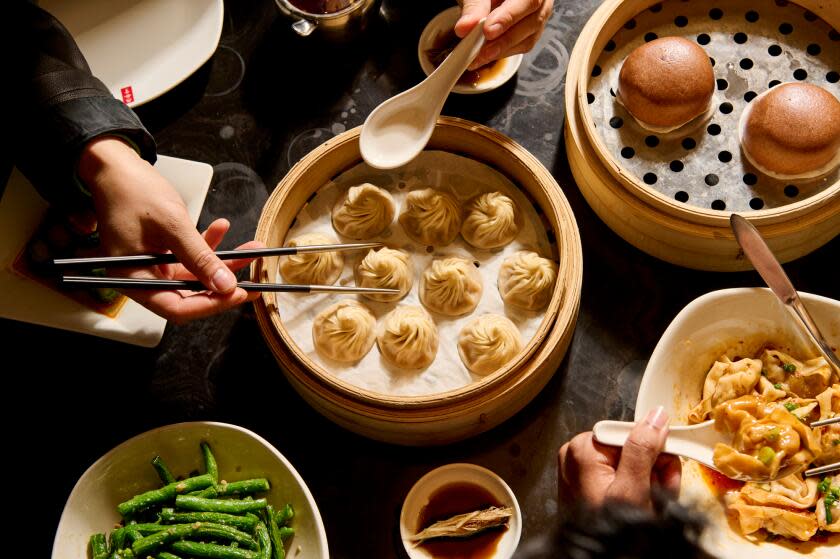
point(138, 212)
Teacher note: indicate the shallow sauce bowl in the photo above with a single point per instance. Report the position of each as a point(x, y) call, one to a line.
point(427, 485)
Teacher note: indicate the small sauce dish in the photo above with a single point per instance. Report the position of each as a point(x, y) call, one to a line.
point(454, 486)
point(437, 32)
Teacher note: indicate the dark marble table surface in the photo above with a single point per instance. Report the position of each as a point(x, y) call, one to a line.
point(263, 101)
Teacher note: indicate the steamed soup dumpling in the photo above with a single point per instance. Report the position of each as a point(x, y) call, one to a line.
point(316, 268)
point(408, 338)
point(431, 217)
point(451, 286)
point(488, 343)
point(526, 280)
point(385, 268)
point(492, 221)
point(344, 331)
point(364, 212)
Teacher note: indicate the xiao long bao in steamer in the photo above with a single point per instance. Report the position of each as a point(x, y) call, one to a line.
point(317, 268)
point(364, 212)
point(666, 83)
point(344, 331)
point(431, 217)
point(526, 280)
point(385, 268)
point(492, 221)
point(488, 343)
point(408, 338)
point(451, 286)
point(792, 131)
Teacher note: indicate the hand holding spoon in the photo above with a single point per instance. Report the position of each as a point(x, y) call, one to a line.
point(399, 128)
point(696, 442)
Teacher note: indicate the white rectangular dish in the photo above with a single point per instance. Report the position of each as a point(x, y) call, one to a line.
point(22, 209)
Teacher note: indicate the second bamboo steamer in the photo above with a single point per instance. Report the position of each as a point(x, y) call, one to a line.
point(689, 232)
point(457, 414)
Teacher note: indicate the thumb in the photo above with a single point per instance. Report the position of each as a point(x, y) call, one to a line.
point(638, 456)
point(197, 256)
point(471, 13)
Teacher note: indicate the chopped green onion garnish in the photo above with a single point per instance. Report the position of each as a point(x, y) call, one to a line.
point(773, 434)
point(790, 406)
point(766, 455)
point(823, 485)
point(777, 386)
point(835, 442)
point(789, 367)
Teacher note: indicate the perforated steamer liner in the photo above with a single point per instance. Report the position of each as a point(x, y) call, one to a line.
point(672, 218)
point(754, 45)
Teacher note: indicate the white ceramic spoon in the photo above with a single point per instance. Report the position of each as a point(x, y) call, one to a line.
point(696, 442)
point(398, 129)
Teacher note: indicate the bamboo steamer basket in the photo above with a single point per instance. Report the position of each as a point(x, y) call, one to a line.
point(449, 416)
point(682, 234)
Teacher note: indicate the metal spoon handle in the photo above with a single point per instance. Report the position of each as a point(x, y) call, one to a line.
point(797, 309)
point(771, 271)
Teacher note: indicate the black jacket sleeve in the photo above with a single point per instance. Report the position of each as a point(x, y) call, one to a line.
point(57, 106)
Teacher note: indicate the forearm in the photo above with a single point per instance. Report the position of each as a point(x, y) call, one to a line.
point(57, 107)
point(103, 157)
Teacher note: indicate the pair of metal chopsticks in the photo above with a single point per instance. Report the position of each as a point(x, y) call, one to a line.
point(828, 467)
point(194, 285)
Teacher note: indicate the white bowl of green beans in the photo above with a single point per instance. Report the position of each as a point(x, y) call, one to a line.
point(191, 489)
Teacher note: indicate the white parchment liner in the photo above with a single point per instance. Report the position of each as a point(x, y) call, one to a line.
point(460, 176)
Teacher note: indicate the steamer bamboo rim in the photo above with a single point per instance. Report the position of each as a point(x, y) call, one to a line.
point(467, 139)
point(607, 20)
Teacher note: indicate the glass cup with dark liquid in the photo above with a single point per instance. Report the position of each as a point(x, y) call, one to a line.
point(333, 20)
point(320, 6)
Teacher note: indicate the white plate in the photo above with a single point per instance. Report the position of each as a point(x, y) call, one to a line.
point(445, 21)
point(739, 320)
point(141, 49)
point(126, 470)
point(21, 211)
point(419, 494)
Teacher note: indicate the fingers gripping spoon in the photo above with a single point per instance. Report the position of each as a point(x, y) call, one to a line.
point(696, 442)
point(399, 128)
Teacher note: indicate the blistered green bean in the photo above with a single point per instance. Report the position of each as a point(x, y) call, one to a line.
point(284, 515)
point(197, 530)
point(163, 495)
point(246, 523)
point(286, 534)
point(98, 547)
point(163, 471)
point(278, 551)
point(210, 466)
point(264, 541)
point(214, 551)
point(243, 487)
point(230, 506)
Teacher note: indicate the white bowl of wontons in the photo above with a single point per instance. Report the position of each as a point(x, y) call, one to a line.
point(698, 365)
